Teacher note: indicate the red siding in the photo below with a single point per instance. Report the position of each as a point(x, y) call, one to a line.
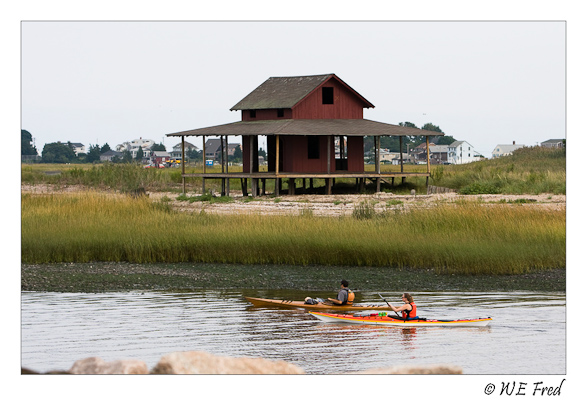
point(356, 162)
point(294, 157)
point(346, 104)
point(246, 148)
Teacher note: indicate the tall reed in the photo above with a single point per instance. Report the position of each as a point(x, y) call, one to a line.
point(466, 238)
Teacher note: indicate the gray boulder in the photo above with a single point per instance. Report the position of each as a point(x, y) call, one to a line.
point(197, 362)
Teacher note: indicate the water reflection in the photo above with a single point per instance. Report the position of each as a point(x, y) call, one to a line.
point(59, 328)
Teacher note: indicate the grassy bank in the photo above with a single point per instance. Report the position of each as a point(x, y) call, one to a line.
point(464, 238)
point(532, 170)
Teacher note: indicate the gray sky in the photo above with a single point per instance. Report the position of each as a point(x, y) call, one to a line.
point(488, 83)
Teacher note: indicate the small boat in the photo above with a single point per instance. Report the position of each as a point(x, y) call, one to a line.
point(320, 306)
point(388, 320)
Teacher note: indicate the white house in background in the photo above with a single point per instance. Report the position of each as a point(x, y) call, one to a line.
point(554, 143)
point(176, 152)
point(134, 146)
point(78, 148)
point(461, 152)
point(505, 149)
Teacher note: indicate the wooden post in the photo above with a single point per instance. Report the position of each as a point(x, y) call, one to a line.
point(227, 179)
point(401, 155)
point(183, 163)
point(328, 186)
point(204, 164)
point(244, 187)
point(223, 185)
point(291, 186)
point(377, 155)
point(277, 180)
point(428, 153)
point(263, 186)
point(251, 165)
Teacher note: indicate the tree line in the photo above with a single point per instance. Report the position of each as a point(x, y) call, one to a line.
point(58, 152)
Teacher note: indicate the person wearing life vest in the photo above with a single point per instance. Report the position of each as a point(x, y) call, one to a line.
point(408, 309)
point(345, 295)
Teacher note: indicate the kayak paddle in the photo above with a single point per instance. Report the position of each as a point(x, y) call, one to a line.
point(387, 304)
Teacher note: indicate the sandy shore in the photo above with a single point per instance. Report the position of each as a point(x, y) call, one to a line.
point(324, 205)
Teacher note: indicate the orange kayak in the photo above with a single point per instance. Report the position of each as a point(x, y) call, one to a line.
point(376, 319)
point(320, 306)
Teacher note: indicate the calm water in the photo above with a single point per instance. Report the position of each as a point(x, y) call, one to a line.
point(60, 328)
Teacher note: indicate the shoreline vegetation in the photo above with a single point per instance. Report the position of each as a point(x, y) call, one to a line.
point(98, 223)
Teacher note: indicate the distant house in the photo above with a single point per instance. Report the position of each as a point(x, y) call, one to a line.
point(134, 146)
point(214, 149)
point(110, 155)
point(232, 147)
point(554, 143)
point(78, 148)
point(160, 157)
point(505, 149)
point(461, 152)
point(394, 158)
point(176, 152)
point(419, 153)
point(439, 154)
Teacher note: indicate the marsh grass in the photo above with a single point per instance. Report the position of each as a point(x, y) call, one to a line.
point(467, 238)
point(531, 170)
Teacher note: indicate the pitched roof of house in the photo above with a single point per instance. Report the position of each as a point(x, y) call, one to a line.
point(286, 92)
point(439, 148)
point(188, 145)
point(212, 145)
point(553, 141)
point(345, 127)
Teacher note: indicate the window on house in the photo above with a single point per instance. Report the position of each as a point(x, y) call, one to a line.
point(327, 95)
point(280, 113)
point(313, 147)
point(253, 113)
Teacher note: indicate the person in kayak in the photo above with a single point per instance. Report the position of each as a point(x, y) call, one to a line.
point(408, 309)
point(345, 295)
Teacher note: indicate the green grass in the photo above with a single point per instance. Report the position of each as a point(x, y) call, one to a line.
point(532, 170)
point(467, 238)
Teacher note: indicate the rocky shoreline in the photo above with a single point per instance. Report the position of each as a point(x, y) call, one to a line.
point(198, 362)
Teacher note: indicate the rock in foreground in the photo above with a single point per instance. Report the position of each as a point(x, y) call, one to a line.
point(97, 366)
point(441, 369)
point(197, 362)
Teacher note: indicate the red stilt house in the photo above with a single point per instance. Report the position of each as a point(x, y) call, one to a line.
point(314, 127)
